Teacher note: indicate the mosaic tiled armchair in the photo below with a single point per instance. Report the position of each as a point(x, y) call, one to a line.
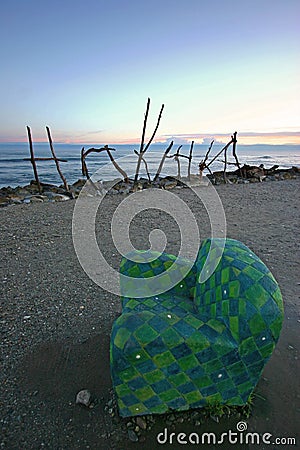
point(198, 343)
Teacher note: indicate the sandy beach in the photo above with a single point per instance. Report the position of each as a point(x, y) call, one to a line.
point(55, 322)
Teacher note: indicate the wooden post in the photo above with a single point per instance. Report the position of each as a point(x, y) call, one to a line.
point(32, 159)
point(225, 165)
point(176, 157)
point(84, 168)
point(56, 161)
point(190, 160)
point(234, 153)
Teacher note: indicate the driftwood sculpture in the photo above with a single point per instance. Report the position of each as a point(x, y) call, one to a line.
point(205, 165)
point(54, 158)
point(144, 148)
point(177, 157)
point(107, 149)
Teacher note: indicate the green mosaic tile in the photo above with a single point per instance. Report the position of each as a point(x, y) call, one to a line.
point(188, 362)
point(144, 393)
point(212, 365)
point(164, 359)
point(191, 344)
point(193, 321)
point(121, 337)
point(154, 376)
point(257, 324)
point(145, 334)
point(193, 397)
point(179, 378)
point(234, 326)
point(171, 394)
point(275, 327)
point(257, 295)
point(203, 382)
point(234, 289)
point(197, 342)
point(266, 350)
point(128, 374)
point(236, 369)
point(171, 338)
point(247, 346)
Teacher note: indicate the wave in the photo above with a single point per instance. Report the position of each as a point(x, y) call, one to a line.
point(265, 157)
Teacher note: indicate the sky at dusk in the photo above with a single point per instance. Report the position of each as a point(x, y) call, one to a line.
point(86, 69)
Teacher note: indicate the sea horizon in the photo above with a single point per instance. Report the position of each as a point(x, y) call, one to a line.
point(14, 171)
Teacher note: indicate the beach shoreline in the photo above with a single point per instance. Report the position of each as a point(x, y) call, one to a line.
point(56, 322)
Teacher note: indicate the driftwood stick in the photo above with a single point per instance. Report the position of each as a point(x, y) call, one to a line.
point(116, 165)
point(146, 165)
point(156, 128)
point(176, 157)
point(138, 165)
point(107, 149)
point(218, 154)
point(163, 160)
point(84, 168)
point(45, 159)
point(32, 159)
point(234, 152)
point(142, 148)
point(145, 126)
point(56, 160)
point(190, 160)
point(225, 165)
point(208, 151)
point(211, 173)
point(202, 164)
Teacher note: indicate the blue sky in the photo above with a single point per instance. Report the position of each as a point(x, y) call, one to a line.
point(86, 68)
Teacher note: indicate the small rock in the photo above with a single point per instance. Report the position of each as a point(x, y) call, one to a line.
point(133, 437)
point(170, 184)
point(141, 423)
point(36, 200)
point(84, 397)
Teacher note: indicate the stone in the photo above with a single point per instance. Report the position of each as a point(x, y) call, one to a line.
point(84, 397)
point(79, 183)
point(133, 437)
point(35, 199)
point(141, 423)
point(60, 198)
point(169, 184)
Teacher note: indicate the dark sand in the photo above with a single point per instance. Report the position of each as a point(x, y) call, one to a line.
point(64, 345)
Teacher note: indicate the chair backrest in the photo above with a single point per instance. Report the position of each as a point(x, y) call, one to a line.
point(241, 291)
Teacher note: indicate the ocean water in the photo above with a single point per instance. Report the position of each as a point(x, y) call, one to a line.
point(14, 171)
